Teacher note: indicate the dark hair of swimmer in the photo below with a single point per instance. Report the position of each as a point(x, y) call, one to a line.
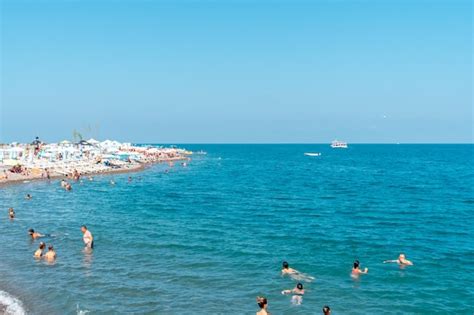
point(356, 264)
point(326, 310)
point(261, 301)
point(42, 245)
point(31, 231)
point(84, 227)
point(50, 247)
point(285, 265)
point(299, 286)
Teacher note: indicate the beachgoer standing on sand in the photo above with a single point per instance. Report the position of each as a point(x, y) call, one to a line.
point(87, 237)
point(39, 251)
point(402, 261)
point(262, 303)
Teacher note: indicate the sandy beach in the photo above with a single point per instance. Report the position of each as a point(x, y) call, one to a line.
point(23, 163)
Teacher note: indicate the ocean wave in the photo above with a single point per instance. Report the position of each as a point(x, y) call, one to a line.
point(10, 305)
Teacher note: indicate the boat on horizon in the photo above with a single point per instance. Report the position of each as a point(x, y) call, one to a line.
point(339, 144)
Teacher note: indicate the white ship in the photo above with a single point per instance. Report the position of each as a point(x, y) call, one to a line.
point(339, 144)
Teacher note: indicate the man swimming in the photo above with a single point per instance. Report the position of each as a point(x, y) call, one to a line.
point(295, 274)
point(356, 271)
point(87, 237)
point(28, 197)
point(297, 292)
point(51, 254)
point(326, 310)
point(34, 235)
point(63, 183)
point(39, 251)
point(402, 261)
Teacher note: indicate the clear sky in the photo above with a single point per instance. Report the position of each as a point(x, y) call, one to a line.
point(237, 71)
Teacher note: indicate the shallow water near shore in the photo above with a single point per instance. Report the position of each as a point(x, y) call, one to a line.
point(208, 238)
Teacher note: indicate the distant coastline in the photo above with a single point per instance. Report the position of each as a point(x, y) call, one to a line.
point(23, 163)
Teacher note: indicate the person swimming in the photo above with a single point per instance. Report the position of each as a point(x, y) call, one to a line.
point(295, 274)
point(39, 251)
point(402, 261)
point(28, 197)
point(68, 187)
point(326, 310)
point(11, 213)
point(297, 292)
point(112, 182)
point(51, 254)
point(356, 271)
point(63, 183)
point(34, 235)
point(263, 304)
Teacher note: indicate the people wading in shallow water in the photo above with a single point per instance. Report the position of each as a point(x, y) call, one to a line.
point(11, 213)
point(297, 292)
point(402, 261)
point(51, 254)
point(356, 271)
point(39, 251)
point(263, 304)
point(87, 237)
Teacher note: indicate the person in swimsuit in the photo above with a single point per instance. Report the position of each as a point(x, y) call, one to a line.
point(356, 271)
point(63, 183)
point(51, 254)
point(326, 310)
point(263, 304)
point(87, 237)
point(297, 292)
point(295, 274)
point(11, 213)
point(402, 261)
point(39, 251)
point(287, 270)
point(34, 235)
point(28, 197)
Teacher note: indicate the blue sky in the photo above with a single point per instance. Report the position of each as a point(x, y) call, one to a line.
point(237, 71)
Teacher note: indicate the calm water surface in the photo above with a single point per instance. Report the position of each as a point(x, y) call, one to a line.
point(208, 238)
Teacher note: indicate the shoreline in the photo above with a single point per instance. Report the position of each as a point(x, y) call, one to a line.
point(134, 168)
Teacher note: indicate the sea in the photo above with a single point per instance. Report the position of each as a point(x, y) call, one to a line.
point(210, 236)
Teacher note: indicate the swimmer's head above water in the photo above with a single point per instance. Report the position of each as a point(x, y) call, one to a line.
point(262, 301)
point(285, 265)
point(326, 310)
point(299, 286)
point(356, 264)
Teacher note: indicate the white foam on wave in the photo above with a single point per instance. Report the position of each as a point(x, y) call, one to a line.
point(11, 305)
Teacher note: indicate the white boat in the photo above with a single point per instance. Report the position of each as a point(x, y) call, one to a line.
point(339, 144)
point(312, 154)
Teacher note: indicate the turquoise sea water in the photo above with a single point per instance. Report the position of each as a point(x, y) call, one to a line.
point(208, 238)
